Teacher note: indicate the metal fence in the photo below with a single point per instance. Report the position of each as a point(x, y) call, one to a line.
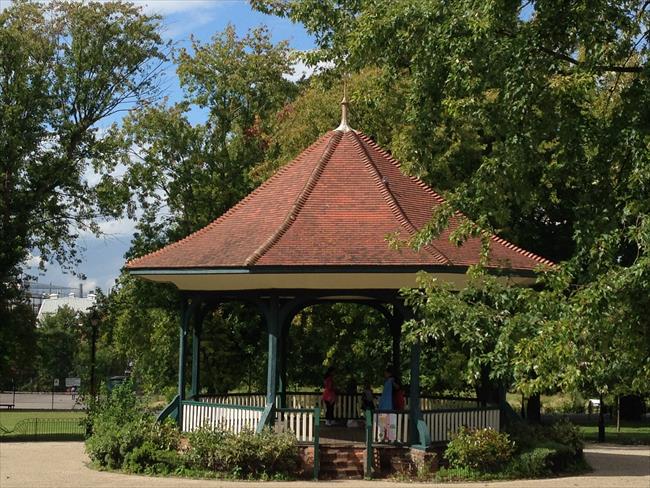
point(47, 427)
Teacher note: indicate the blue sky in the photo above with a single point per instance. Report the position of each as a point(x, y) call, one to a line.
point(103, 257)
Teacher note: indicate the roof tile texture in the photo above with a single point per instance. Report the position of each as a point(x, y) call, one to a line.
point(334, 205)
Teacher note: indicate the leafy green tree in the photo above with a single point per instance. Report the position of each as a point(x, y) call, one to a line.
point(532, 118)
point(183, 175)
point(58, 343)
point(65, 67)
point(17, 339)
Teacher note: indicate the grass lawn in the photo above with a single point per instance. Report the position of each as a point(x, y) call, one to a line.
point(629, 434)
point(50, 428)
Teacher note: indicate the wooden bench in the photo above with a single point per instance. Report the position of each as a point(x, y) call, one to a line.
point(10, 406)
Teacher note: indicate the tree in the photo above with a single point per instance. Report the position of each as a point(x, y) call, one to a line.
point(65, 68)
point(58, 344)
point(183, 175)
point(532, 118)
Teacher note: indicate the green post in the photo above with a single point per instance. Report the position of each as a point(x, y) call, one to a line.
point(369, 453)
point(282, 361)
point(396, 333)
point(415, 413)
point(316, 442)
point(272, 315)
point(196, 356)
point(182, 350)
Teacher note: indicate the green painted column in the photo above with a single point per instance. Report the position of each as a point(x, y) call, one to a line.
point(415, 412)
point(282, 362)
point(271, 310)
point(196, 355)
point(182, 351)
point(273, 328)
point(395, 324)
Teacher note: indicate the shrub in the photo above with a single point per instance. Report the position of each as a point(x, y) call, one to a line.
point(244, 455)
point(119, 425)
point(204, 451)
point(483, 449)
point(564, 432)
point(533, 463)
point(149, 458)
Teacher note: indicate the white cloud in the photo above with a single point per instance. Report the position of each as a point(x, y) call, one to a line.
point(167, 7)
point(32, 261)
point(301, 68)
point(191, 13)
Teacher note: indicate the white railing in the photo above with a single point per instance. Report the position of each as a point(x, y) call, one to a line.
point(443, 424)
point(347, 406)
point(232, 418)
point(433, 403)
point(390, 427)
point(245, 400)
point(299, 422)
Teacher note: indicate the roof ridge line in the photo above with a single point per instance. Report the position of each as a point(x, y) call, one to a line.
point(299, 202)
point(457, 213)
point(393, 202)
point(231, 210)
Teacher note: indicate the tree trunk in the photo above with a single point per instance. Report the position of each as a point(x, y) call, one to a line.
point(534, 409)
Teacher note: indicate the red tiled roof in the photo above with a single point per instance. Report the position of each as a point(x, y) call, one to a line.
point(334, 205)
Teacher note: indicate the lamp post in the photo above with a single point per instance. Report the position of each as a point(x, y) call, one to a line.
point(94, 322)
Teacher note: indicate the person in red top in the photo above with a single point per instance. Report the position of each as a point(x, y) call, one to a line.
point(329, 396)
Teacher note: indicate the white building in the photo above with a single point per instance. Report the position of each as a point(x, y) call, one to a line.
point(53, 303)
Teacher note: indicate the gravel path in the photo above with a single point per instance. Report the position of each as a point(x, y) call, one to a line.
point(62, 464)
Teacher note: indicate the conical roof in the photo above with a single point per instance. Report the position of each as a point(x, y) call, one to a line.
point(330, 208)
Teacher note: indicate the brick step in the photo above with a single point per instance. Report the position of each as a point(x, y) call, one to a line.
point(347, 474)
point(341, 464)
point(352, 459)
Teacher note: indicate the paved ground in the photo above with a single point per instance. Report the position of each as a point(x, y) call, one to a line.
point(62, 464)
point(41, 401)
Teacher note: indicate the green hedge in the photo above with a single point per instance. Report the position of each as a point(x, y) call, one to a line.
point(124, 436)
point(524, 452)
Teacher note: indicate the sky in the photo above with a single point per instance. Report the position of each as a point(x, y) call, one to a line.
point(103, 257)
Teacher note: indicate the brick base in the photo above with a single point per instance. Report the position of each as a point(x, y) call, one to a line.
point(348, 462)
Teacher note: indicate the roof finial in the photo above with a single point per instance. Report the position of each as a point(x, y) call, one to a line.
point(343, 126)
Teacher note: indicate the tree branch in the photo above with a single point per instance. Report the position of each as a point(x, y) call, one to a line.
point(600, 68)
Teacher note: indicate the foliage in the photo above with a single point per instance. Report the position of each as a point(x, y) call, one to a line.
point(561, 432)
point(532, 118)
point(17, 338)
point(151, 459)
point(58, 81)
point(244, 455)
point(118, 425)
point(58, 342)
point(480, 449)
point(566, 433)
point(534, 463)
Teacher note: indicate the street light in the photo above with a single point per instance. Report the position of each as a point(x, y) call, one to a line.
point(94, 322)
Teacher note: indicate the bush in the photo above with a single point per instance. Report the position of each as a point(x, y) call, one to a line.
point(534, 463)
point(204, 451)
point(244, 455)
point(119, 425)
point(150, 459)
point(483, 449)
point(564, 432)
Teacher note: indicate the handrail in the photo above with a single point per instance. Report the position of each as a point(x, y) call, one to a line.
point(459, 409)
point(319, 393)
point(171, 410)
point(222, 405)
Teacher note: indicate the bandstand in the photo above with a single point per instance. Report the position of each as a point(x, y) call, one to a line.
point(316, 232)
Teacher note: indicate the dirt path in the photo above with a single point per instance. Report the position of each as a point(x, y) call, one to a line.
point(62, 464)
